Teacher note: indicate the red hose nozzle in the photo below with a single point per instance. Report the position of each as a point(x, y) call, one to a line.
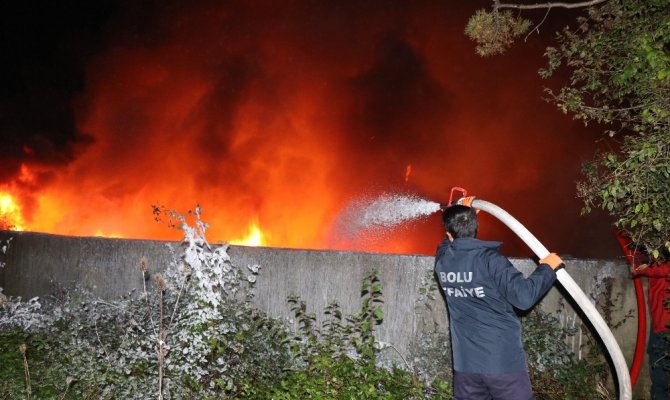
point(456, 189)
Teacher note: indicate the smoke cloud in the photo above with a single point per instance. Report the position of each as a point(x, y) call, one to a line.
point(283, 113)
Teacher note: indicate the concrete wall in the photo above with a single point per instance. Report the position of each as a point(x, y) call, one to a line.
point(38, 264)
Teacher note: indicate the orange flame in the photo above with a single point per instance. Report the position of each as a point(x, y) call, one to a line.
point(254, 236)
point(101, 233)
point(10, 213)
point(408, 172)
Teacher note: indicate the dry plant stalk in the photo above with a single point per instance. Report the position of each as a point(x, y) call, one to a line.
point(26, 371)
point(68, 383)
point(160, 287)
point(163, 331)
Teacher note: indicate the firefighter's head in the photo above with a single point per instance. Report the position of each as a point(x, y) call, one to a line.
point(460, 221)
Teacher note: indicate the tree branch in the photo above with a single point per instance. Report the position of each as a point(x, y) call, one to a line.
point(537, 27)
point(581, 4)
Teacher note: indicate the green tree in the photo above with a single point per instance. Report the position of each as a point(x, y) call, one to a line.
point(618, 58)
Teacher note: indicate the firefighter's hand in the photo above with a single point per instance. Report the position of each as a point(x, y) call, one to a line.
point(553, 260)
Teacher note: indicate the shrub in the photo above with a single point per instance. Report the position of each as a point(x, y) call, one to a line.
point(557, 373)
point(194, 335)
point(338, 359)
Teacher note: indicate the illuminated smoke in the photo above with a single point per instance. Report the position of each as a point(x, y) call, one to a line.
point(283, 113)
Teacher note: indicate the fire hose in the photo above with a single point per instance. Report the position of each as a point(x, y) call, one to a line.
point(620, 366)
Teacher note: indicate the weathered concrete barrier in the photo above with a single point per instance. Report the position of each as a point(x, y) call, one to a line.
point(38, 264)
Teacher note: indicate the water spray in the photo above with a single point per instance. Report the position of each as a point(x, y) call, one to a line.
point(382, 213)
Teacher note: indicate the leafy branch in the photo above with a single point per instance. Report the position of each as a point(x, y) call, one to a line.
point(581, 4)
point(496, 30)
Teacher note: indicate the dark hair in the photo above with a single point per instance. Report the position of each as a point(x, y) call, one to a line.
point(460, 221)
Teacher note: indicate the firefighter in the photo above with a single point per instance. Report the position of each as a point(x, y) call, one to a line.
point(482, 290)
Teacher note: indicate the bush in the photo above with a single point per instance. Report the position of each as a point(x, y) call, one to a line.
point(339, 359)
point(556, 372)
point(194, 335)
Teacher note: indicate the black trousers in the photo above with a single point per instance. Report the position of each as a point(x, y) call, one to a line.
point(514, 386)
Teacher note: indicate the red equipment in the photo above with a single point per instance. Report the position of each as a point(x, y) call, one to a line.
point(635, 367)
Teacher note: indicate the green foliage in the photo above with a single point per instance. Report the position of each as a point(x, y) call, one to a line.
point(556, 372)
point(340, 335)
point(495, 31)
point(633, 186)
point(338, 359)
point(326, 364)
point(619, 61)
point(619, 58)
point(194, 336)
point(345, 378)
point(109, 351)
point(47, 368)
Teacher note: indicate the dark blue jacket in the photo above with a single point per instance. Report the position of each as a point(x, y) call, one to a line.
point(482, 288)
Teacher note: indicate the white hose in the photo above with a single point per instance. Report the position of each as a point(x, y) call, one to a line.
point(625, 392)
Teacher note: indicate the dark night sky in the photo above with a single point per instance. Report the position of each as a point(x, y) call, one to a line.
point(283, 113)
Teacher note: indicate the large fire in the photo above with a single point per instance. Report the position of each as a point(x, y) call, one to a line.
point(273, 116)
